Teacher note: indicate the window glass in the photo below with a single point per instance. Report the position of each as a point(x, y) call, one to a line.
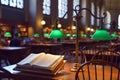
point(4, 2)
point(93, 11)
point(119, 22)
point(46, 7)
point(20, 4)
point(62, 8)
point(13, 3)
point(98, 15)
point(108, 20)
point(75, 3)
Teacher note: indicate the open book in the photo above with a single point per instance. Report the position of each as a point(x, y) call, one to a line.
point(41, 63)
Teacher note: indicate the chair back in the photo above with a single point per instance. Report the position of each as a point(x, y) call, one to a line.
point(98, 70)
point(108, 55)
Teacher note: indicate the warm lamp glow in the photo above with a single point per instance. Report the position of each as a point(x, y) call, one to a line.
point(59, 25)
point(43, 22)
point(73, 27)
point(56, 34)
point(88, 29)
point(101, 35)
point(7, 34)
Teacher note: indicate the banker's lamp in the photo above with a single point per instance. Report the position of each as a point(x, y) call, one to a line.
point(68, 35)
point(19, 34)
point(36, 35)
point(56, 34)
point(46, 35)
point(74, 35)
point(78, 17)
point(7, 34)
point(84, 35)
point(114, 35)
point(101, 34)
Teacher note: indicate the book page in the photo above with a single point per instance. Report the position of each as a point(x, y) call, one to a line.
point(36, 59)
point(47, 60)
point(29, 59)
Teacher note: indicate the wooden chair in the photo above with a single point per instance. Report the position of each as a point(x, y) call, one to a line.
point(69, 55)
point(108, 55)
point(98, 70)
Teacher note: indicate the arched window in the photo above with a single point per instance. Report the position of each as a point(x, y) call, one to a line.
point(13, 3)
point(119, 21)
point(46, 7)
point(107, 20)
point(62, 8)
point(98, 15)
point(93, 12)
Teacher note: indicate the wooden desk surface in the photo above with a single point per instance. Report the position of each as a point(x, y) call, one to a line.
point(65, 74)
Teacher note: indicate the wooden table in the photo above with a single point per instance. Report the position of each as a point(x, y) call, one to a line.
point(65, 74)
point(14, 54)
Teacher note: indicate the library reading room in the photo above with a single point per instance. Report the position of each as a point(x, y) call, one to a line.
point(59, 39)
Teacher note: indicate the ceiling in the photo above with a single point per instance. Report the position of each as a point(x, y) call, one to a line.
point(112, 4)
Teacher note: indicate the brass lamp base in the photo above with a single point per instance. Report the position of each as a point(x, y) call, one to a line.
point(75, 67)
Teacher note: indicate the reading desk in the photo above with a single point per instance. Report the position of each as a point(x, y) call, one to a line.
point(65, 74)
point(14, 54)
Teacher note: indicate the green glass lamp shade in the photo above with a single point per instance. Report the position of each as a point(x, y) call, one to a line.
point(7, 34)
point(56, 34)
point(46, 35)
point(101, 35)
point(68, 35)
point(84, 35)
point(19, 34)
point(114, 35)
point(36, 35)
point(74, 35)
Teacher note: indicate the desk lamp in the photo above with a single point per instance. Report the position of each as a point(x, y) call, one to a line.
point(84, 35)
point(114, 35)
point(68, 35)
point(56, 34)
point(101, 34)
point(7, 34)
point(36, 35)
point(46, 35)
point(78, 17)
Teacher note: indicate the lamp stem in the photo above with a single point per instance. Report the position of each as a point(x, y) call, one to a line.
point(76, 64)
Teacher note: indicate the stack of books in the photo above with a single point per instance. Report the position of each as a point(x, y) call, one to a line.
point(41, 63)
